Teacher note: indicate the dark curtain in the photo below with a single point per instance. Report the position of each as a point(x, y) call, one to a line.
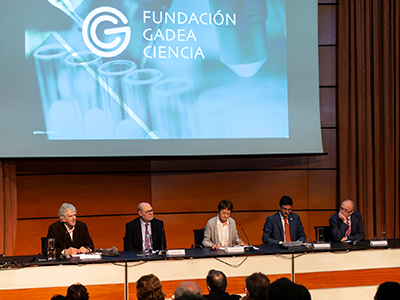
point(8, 207)
point(368, 108)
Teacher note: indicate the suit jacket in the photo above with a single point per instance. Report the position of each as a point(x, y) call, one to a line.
point(81, 236)
point(133, 239)
point(339, 228)
point(273, 229)
point(211, 236)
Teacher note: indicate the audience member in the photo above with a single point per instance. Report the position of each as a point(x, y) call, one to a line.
point(216, 286)
point(188, 290)
point(149, 287)
point(257, 285)
point(77, 292)
point(388, 291)
point(284, 289)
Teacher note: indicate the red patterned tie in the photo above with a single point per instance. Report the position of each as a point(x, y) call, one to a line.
point(348, 229)
point(287, 230)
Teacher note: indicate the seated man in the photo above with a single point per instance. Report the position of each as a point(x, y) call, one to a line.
point(216, 286)
point(346, 224)
point(145, 224)
point(72, 236)
point(284, 226)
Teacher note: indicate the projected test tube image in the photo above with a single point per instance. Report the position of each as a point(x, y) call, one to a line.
point(60, 112)
point(192, 69)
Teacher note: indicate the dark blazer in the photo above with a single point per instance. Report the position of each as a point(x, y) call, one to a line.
point(81, 235)
point(220, 296)
point(338, 227)
point(273, 229)
point(133, 235)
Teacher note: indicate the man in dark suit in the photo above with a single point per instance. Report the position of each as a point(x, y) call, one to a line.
point(216, 286)
point(346, 224)
point(145, 226)
point(284, 226)
point(72, 236)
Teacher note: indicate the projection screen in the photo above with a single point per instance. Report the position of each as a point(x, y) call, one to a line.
point(158, 78)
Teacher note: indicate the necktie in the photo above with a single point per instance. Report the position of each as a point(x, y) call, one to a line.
point(287, 230)
point(348, 229)
point(147, 236)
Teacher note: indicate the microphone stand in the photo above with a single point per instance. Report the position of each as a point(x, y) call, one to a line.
point(248, 248)
point(162, 252)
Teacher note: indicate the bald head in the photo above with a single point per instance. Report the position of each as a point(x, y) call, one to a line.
point(187, 287)
point(349, 202)
point(145, 211)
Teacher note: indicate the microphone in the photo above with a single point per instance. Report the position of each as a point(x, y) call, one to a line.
point(65, 239)
point(162, 251)
point(248, 248)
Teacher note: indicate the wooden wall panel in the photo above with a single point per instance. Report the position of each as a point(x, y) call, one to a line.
point(257, 190)
point(251, 162)
point(91, 194)
point(328, 107)
point(327, 66)
point(327, 24)
point(329, 142)
point(318, 218)
point(82, 165)
point(322, 189)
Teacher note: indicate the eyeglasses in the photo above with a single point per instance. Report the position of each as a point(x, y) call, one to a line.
point(148, 211)
point(345, 210)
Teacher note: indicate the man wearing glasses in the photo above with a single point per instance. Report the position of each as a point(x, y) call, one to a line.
point(346, 224)
point(284, 226)
point(145, 232)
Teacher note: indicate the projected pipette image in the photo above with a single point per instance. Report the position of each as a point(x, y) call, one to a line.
point(160, 69)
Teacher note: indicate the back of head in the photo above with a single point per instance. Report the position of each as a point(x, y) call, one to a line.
point(77, 292)
point(257, 285)
point(186, 290)
point(216, 281)
point(190, 296)
point(284, 289)
point(149, 287)
point(305, 293)
point(388, 291)
point(286, 200)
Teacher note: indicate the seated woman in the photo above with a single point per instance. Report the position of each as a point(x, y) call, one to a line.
point(149, 287)
point(221, 230)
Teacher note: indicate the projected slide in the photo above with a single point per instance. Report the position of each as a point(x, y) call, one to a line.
point(157, 69)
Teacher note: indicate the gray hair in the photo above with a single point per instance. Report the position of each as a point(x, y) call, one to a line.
point(348, 200)
point(64, 208)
